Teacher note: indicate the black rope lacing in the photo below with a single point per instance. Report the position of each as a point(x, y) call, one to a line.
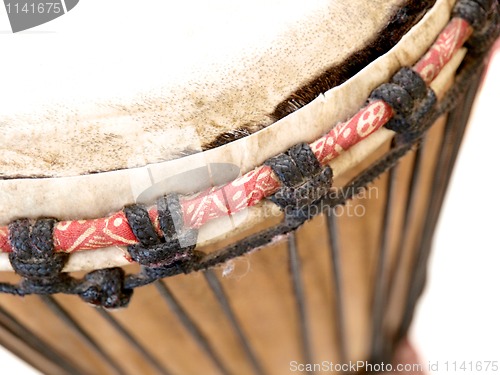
point(303, 181)
point(305, 185)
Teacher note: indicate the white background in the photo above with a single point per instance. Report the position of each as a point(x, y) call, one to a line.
point(458, 318)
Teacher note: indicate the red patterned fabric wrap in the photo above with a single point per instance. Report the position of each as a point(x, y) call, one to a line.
point(243, 192)
point(449, 41)
point(4, 240)
point(93, 234)
point(345, 135)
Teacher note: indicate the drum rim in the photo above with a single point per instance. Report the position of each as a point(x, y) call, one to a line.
point(109, 191)
point(464, 30)
point(458, 29)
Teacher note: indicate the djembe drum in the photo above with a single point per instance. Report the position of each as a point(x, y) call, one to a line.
point(280, 194)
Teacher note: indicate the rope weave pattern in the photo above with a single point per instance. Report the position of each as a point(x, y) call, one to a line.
point(261, 182)
point(162, 239)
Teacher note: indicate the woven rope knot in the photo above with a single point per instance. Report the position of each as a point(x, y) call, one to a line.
point(411, 82)
point(475, 12)
point(176, 268)
point(407, 94)
point(33, 255)
point(484, 17)
point(176, 246)
point(171, 251)
point(304, 182)
point(106, 288)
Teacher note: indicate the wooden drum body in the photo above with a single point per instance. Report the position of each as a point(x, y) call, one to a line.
point(279, 195)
